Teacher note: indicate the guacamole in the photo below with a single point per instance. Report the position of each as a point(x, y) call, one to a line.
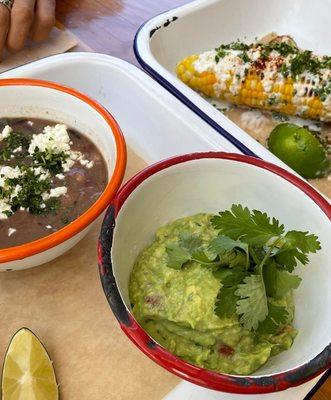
point(176, 307)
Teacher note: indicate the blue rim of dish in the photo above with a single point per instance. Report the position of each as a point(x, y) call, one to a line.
point(240, 146)
point(173, 90)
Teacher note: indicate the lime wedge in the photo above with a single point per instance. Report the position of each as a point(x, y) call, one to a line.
point(300, 149)
point(28, 372)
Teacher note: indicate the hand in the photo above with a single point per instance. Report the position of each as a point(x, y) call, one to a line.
point(28, 18)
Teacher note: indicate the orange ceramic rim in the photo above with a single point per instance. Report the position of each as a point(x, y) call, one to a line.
point(31, 248)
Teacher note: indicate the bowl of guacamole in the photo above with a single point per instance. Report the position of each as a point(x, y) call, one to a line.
point(212, 270)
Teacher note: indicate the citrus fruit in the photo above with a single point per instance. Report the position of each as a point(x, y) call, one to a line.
point(28, 372)
point(300, 149)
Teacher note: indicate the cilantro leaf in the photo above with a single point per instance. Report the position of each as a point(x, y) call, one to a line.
point(252, 306)
point(201, 257)
point(230, 277)
point(177, 256)
point(225, 305)
point(295, 248)
point(285, 283)
point(233, 259)
point(181, 252)
point(190, 242)
point(278, 282)
point(254, 228)
point(277, 316)
point(222, 244)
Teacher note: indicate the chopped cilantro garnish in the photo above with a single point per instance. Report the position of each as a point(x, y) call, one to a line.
point(238, 45)
point(323, 91)
point(280, 117)
point(51, 161)
point(244, 56)
point(31, 191)
point(29, 188)
point(304, 61)
point(283, 48)
point(220, 54)
point(12, 142)
point(272, 100)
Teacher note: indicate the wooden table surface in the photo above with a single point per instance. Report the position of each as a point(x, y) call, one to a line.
point(109, 26)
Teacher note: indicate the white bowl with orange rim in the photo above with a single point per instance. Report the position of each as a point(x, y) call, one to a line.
point(29, 98)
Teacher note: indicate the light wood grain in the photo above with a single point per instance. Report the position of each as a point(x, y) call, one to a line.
point(109, 26)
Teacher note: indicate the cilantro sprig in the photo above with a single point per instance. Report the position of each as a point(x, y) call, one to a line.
point(253, 257)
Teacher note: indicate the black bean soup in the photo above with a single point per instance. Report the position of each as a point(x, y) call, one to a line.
point(49, 175)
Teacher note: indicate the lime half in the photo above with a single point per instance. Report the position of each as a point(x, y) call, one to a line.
point(300, 149)
point(28, 372)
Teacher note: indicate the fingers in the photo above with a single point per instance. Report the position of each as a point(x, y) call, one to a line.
point(44, 19)
point(22, 16)
point(4, 26)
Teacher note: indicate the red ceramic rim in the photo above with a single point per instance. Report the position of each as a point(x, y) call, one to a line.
point(189, 372)
point(47, 242)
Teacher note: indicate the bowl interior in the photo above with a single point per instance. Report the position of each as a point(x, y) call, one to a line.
point(211, 185)
point(29, 101)
point(210, 23)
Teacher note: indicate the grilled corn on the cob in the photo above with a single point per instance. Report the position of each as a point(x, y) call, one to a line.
point(275, 76)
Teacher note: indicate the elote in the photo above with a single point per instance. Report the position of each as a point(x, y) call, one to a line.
point(275, 76)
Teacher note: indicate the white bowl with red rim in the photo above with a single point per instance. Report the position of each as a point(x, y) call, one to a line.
point(210, 182)
point(31, 98)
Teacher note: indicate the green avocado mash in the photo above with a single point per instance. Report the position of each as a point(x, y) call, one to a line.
point(176, 307)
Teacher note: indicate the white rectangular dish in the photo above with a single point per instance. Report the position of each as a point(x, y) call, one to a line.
point(205, 24)
point(156, 125)
point(131, 96)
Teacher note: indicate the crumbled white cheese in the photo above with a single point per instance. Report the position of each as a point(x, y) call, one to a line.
point(42, 173)
point(83, 162)
point(18, 149)
point(90, 164)
point(58, 191)
point(55, 139)
point(4, 206)
point(270, 74)
point(7, 130)
point(11, 231)
point(31, 123)
point(7, 172)
point(38, 171)
point(55, 192)
point(68, 165)
point(49, 227)
point(223, 69)
point(60, 176)
point(15, 192)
